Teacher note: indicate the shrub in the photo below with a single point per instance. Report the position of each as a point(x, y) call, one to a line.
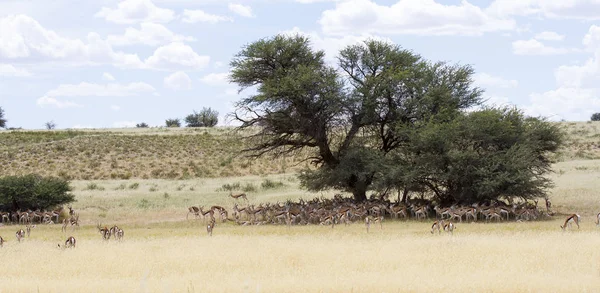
point(2, 120)
point(173, 122)
point(93, 186)
point(34, 192)
point(134, 185)
point(595, 117)
point(205, 118)
point(270, 184)
point(142, 125)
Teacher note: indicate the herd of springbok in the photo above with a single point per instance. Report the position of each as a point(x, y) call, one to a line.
point(318, 211)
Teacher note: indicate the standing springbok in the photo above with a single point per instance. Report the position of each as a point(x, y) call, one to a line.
point(20, 235)
point(449, 227)
point(211, 225)
point(237, 196)
point(437, 225)
point(574, 218)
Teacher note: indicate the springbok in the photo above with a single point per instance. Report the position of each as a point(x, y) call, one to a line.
point(574, 218)
point(237, 196)
point(70, 243)
point(20, 235)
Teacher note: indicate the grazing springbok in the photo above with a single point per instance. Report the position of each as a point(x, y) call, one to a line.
point(237, 196)
point(193, 210)
point(574, 218)
point(70, 243)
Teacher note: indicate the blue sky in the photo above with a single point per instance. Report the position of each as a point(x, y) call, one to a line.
point(110, 63)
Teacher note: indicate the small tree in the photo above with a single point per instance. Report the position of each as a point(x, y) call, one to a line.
point(50, 125)
point(596, 117)
point(205, 118)
point(173, 122)
point(33, 192)
point(2, 120)
point(142, 125)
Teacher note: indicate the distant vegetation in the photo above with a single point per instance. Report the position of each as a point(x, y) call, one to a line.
point(33, 192)
point(595, 117)
point(173, 123)
point(207, 117)
point(2, 120)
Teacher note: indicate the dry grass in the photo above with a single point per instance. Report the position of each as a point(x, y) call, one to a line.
point(403, 257)
point(163, 252)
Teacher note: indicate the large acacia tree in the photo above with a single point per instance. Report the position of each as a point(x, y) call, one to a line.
point(350, 119)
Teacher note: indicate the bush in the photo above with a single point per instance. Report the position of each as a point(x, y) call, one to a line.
point(2, 120)
point(33, 192)
point(595, 117)
point(270, 184)
point(50, 125)
point(142, 125)
point(173, 123)
point(205, 118)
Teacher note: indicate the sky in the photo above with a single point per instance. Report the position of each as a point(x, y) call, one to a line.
point(108, 63)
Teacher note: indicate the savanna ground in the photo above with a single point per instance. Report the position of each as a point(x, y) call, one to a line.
point(164, 252)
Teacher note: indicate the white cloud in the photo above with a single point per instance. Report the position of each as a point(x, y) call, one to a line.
point(85, 89)
point(50, 101)
point(591, 40)
point(22, 38)
point(549, 36)
point(332, 45)
point(115, 108)
point(178, 81)
point(193, 16)
point(487, 80)
point(176, 55)
point(10, 70)
point(151, 34)
point(132, 11)
point(216, 79)
point(423, 17)
point(124, 124)
point(107, 76)
point(241, 10)
point(231, 92)
point(569, 103)
point(535, 47)
point(563, 9)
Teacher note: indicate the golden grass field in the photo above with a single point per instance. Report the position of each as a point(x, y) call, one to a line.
point(164, 252)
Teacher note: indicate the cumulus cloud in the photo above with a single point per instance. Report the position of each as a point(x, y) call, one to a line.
point(216, 79)
point(193, 16)
point(421, 17)
point(50, 101)
point(150, 34)
point(107, 76)
point(487, 80)
point(535, 47)
point(86, 89)
point(571, 9)
point(23, 38)
point(241, 10)
point(176, 55)
point(10, 70)
point(132, 11)
point(178, 81)
point(549, 36)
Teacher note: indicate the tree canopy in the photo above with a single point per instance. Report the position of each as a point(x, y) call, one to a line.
point(33, 192)
point(2, 120)
point(385, 117)
point(595, 117)
point(207, 117)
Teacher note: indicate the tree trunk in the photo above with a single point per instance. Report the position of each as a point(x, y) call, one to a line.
point(358, 188)
point(360, 195)
point(405, 195)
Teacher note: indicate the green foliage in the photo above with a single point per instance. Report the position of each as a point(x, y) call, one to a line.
point(348, 122)
point(93, 186)
point(595, 117)
point(33, 192)
point(142, 125)
point(173, 122)
point(270, 184)
point(207, 117)
point(50, 125)
point(134, 185)
point(2, 120)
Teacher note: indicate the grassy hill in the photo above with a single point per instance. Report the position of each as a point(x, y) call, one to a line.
point(178, 153)
point(158, 153)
